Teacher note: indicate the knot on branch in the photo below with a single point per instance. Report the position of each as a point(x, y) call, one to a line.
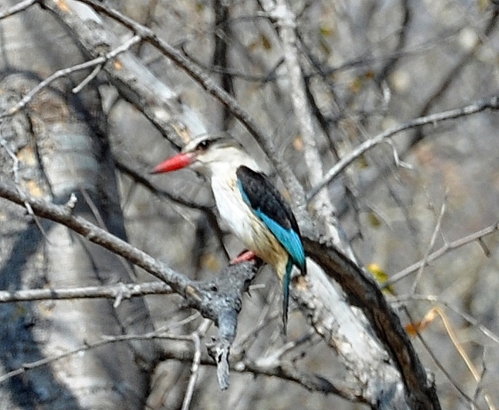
point(220, 301)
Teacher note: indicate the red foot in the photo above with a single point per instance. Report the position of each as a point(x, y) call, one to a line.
point(244, 256)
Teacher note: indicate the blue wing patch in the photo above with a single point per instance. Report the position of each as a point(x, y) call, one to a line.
point(267, 204)
point(288, 237)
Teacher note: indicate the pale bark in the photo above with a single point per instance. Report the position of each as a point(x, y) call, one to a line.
point(54, 149)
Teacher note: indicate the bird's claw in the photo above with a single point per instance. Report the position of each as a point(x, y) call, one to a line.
point(244, 256)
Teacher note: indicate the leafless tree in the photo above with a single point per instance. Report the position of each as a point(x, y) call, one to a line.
point(377, 121)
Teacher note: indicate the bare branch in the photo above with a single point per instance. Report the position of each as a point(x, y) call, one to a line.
point(364, 293)
point(21, 6)
point(433, 119)
point(62, 215)
point(145, 98)
point(476, 236)
point(218, 300)
point(285, 371)
point(433, 238)
point(88, 346)
point(196, 360)
point(287, 26)
point(66, 72)
point(310, 381)
point(118, 292)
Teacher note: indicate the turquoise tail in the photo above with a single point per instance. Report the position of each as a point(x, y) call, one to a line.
point(285, 295)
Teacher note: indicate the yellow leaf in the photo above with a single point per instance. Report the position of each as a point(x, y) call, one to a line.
point(381, 277)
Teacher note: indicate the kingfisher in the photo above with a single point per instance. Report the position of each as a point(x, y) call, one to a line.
point(247, 201)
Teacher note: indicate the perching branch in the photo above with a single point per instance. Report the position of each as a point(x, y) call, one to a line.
point(218, 300)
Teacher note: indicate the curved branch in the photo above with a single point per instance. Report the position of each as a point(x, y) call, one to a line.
point(433, 119)
point(218, 300)
point(363, 292)
point(285, 371)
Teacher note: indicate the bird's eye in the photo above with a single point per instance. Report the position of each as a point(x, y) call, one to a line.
point(204, 145)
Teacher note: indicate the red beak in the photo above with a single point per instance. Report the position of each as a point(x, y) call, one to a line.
point(178, 161)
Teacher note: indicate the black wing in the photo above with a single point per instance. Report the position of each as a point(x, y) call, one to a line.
point(265, 198)
point(268, 204)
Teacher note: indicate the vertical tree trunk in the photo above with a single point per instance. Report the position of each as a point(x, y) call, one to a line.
point(55, 148)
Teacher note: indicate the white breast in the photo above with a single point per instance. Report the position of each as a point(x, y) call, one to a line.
point(244, 224)
point(232, 209)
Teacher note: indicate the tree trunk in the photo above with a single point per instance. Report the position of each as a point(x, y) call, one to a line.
point(55, 148)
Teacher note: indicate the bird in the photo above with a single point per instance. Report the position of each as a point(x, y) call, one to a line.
point(247, 202)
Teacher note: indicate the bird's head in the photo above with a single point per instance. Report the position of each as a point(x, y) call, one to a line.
point(204, 154)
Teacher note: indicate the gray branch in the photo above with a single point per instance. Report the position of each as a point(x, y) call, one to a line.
point(118, 292)
point(218, 300)
point(433, 119)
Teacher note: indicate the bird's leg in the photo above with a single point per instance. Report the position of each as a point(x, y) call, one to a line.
point(244, 256)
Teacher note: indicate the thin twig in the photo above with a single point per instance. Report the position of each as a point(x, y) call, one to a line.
point(122, 164)
point(433, 238)
point(87, 79)
point(448, 246)
point(196, 360)
point(15, 160)
point(433, 119)
point(88, 346)
point(66, 72)
point(121, 290)
point(462, 352)
point(437, 361)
